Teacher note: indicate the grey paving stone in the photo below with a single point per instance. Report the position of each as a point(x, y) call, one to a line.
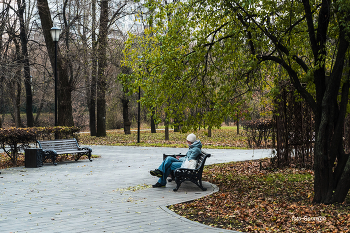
point(95, 196)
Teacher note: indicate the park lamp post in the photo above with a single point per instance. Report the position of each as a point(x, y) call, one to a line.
point(139, 111)
point(139, 117)
point(55, 34)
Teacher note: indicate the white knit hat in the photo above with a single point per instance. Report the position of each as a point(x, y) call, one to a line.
point(191, 138)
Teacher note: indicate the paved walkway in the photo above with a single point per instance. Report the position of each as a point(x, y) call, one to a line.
point(96, 196)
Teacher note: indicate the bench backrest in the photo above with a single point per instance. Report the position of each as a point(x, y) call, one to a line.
point(201, 160)
point(59, 145)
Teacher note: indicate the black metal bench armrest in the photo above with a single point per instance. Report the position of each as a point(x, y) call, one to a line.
point(85, 148)
point(173, 155)
point(185, 169)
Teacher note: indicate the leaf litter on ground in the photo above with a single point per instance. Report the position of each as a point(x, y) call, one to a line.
point(257, 200)
point(249, 199)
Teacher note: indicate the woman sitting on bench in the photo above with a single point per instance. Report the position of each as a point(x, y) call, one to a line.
point(171, 163)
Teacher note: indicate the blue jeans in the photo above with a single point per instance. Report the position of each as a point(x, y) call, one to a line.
point(168, 165)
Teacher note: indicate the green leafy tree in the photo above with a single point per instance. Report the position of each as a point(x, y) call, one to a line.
point(201, 54)
point(190, 82)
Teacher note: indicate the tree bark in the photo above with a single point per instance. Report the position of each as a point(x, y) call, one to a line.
point(237, 123)
point(329, 134)
point(102, 63)
point(127, 123)
point(166, 124)
point(177, 124)
point(65, 112)
point(153, 124)
point(16, 86)
point(86, 56)
point(92, 96)
point(15, 96)
point(26, 65)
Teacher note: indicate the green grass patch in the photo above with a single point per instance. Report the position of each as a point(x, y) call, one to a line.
point(225, 138)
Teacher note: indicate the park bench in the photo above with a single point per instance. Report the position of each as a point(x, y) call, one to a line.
point(185, 174)
point(52, 148)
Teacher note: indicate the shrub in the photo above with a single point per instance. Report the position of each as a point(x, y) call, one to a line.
point(12, 140)
point(258, 131)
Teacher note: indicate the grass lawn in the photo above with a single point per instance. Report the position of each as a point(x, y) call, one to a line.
point(224, 138)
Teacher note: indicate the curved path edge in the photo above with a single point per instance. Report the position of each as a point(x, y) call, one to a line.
point(194, 223)
point(109, 194)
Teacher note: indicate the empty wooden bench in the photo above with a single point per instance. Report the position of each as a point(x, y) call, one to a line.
point(51, 149)
point(194, 175)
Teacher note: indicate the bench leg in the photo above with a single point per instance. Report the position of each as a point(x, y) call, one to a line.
point(178, 184)
point(199, 184)
point(53, 158)
point(89, 155)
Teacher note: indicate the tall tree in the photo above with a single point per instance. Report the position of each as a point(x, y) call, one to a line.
point(308, 39)
point(150, 14)
point(172, 76)
point(102, 64)
point(15, 84)
point(125, 99)
point(106, 22)
point(4, 15)
point(65, 117)
point(11, 70)
point(92, 96)
point(26, 66)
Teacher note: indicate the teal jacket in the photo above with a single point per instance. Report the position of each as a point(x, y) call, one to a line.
point(193, 152)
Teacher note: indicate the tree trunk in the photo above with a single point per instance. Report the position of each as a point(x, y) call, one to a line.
point(237, 123)
point(92, 96)
point(209, 132)
point(153, 124)
point(227, 121)
point(102, 63)
point(86, 57)
point(166, 124)
point(17, 87)
point(332, 165)
point(18, 101)
point(65, 113)
point(150, 24)
point(126, 120)
point(66, 81)
point(14, 155)
point(26, 68)
point(177, 124)
point(41, 103)
point(348, 134)
point(15, 96)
